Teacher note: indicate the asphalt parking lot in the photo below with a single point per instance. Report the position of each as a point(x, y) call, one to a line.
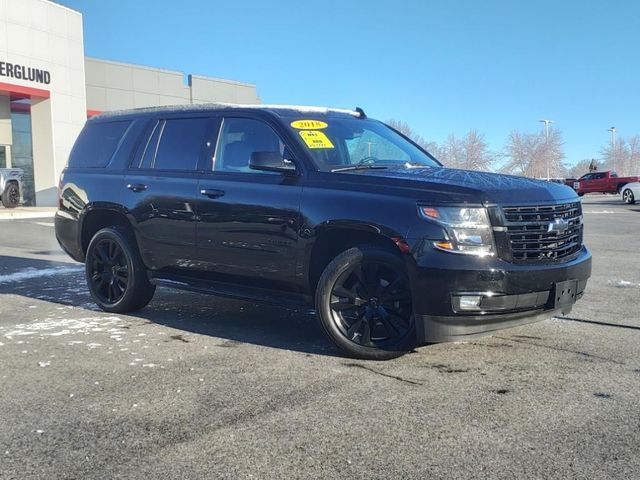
point(201, 387)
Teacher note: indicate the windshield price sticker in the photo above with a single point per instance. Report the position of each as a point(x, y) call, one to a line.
point(309, 124)
point(315, 139)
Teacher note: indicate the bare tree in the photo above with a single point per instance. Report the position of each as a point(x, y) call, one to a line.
point(634, 155)
point(468, 153)
point(529, 154)
point(476, 152)
point(407, 131)
point(625, 158)
point(518, 152)
point(579, 169)
point(452, 152)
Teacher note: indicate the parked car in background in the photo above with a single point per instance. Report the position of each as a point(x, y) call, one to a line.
point(11, 186)
point(631, 192)
point(602, 182)
point(319, 207)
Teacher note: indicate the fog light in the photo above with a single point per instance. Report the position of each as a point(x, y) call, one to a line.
point(470, 302)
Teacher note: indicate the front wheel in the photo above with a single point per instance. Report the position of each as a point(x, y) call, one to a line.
point(627, 196)
point(364, 303)
point(11, 196)
point(116, 276)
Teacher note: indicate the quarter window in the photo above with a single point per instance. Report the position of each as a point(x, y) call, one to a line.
point(240, 138)
point(97, 143)
point(180, 144)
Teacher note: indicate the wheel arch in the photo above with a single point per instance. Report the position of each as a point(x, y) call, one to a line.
point(97, 216)
point(11, 181)
point(333, 238)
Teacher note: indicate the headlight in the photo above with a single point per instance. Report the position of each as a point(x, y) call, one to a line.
point(468, 230)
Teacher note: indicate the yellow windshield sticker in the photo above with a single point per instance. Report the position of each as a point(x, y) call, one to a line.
point(309, 124)
point(315, 139)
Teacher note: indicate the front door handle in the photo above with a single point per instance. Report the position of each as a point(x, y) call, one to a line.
point(211, 193)
point(137, 187)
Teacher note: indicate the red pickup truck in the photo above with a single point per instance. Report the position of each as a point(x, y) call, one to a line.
point(601, 182)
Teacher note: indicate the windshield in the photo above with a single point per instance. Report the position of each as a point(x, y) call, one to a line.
point(335, 143)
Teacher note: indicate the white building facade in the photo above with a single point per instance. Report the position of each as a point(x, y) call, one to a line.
point(48, 89)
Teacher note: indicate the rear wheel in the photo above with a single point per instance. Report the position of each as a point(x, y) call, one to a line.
point(11, 196)
point(628, 197)
point(364, 304)
point(116, 276)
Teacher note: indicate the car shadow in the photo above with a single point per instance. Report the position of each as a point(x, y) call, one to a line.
point(231, 320)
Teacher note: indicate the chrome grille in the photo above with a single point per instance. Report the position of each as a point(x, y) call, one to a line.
point(543, 233)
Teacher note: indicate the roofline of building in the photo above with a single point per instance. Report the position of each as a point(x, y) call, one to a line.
point(165, 70)
point(77, 12)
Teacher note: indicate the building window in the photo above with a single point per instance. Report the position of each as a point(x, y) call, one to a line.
point(22, 148)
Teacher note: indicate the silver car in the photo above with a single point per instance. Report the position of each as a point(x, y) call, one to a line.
point(630, 192)
point(11, 186)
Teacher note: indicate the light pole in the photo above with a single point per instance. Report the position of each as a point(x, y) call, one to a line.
point(613, 148)
point(546, 140)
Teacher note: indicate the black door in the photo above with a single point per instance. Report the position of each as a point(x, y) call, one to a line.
point(248, 219)
point(161, 190)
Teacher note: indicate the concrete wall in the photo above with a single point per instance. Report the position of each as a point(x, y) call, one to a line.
point(205, 89)
point(44, 35)
point(116, 86)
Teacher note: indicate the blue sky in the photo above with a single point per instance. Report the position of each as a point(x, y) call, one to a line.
point(441, 66)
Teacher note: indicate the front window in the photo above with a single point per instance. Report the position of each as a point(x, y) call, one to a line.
point(239, 139)
point(336, 143)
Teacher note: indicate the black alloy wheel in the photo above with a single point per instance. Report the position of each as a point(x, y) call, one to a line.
point(11, 196)
point(116, 276)
point(364, 303)
point(109, 271)
point(371, 304)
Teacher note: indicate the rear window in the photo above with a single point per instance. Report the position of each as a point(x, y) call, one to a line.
point(97, 143)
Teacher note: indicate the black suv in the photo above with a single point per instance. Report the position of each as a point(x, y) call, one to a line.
point(323, 207)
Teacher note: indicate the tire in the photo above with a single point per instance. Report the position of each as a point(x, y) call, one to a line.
point(581, 194)
point(628, 197)
point(363, 302)
point(116, 277)
point(11, 196)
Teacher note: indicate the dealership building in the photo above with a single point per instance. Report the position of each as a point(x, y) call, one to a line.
point(48, 88)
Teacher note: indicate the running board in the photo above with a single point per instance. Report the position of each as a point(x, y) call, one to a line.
point(229, 290)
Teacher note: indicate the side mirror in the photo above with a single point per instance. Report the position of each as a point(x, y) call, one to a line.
point(271, 162)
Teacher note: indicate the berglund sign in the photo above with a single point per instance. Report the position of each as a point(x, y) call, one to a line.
point(20, 72)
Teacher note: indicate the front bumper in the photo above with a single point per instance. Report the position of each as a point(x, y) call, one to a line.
point(512, 294)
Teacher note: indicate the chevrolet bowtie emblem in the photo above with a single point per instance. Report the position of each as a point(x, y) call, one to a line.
point(559, 225)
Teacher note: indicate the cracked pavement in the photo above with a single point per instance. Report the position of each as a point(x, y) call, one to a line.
point(201, 387)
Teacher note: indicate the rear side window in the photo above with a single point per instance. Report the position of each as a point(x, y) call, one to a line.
point(97, 143)
point(181, 143)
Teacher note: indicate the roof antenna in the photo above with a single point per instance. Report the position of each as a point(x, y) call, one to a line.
point(361, 112)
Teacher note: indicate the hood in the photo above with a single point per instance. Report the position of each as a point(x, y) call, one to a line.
point(483, 186)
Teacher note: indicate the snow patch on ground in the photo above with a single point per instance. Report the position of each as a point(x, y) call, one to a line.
point(54, 327)
point(31, 273)
point(623, 284)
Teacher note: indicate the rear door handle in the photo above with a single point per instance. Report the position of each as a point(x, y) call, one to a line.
point(211, 193)
point(137, 187)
